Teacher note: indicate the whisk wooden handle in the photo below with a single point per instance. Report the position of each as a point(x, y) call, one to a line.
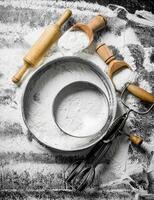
point(17, 77)
point(141, 93)
point(97, 23)
point(135, 139)
point(64, 17)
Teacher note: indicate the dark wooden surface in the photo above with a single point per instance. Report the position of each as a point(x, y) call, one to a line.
point(130, 5)
point(29, 170)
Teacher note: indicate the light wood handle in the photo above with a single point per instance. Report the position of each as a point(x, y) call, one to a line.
point(135, 139)
point(17, 77)
point(105, 53)
point(141, 93)
point(97, 23)
point(42, 45)
point(64, 17)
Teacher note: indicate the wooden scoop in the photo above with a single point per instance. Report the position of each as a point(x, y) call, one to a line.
point(115, 65)
point(94, 25)
point(41, 46)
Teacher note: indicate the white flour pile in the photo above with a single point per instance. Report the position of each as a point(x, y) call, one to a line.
point(123, 77)
point(73, 41)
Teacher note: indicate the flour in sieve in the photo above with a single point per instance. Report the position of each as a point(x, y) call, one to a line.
point(39, 104)
point(82, 112)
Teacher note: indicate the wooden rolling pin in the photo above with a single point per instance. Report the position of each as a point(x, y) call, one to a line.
point(41, 46)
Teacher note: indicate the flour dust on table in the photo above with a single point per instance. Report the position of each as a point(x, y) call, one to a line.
point(29, 170)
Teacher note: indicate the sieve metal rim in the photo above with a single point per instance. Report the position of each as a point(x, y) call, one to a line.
point(45, 66)
point(54, 112)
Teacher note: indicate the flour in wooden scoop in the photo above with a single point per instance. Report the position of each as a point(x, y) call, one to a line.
point(73, 41)
point(122, 77)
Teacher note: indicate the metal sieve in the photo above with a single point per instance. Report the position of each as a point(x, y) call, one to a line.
point(86, 104)
point(41, 90)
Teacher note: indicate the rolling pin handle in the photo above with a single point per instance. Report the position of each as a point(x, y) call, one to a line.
point(17, 77)
point(64, 17)
point(140, 93)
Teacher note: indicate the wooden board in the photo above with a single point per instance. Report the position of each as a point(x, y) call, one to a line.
point(29, 170)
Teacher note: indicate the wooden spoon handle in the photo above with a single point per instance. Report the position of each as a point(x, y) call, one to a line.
point(64, 17)
point(17, 77)
point(105, 53)
point(141, 93)
point(97, 23)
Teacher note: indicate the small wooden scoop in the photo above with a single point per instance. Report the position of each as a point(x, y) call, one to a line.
point(115, 65)
point(94, 25)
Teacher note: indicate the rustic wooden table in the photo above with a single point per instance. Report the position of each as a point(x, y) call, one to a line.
point(29, 170)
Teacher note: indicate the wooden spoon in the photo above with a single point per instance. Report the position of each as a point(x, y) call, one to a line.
point(94, 25)
point(116, 65)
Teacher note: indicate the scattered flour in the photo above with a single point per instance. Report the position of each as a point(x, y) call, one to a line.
point(33, 36)
point(147, 17)
point(20, 144)
point(151, 167)
point(140, 16)
point(128, 58)
point(122, 77)
point(59, 6)
point(145, 85)
point(147, 64)
point(11, 60)
point(127, 36)
point(73, 41)
point(33, 168)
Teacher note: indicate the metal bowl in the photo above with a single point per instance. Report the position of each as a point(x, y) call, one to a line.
point(41, 91)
